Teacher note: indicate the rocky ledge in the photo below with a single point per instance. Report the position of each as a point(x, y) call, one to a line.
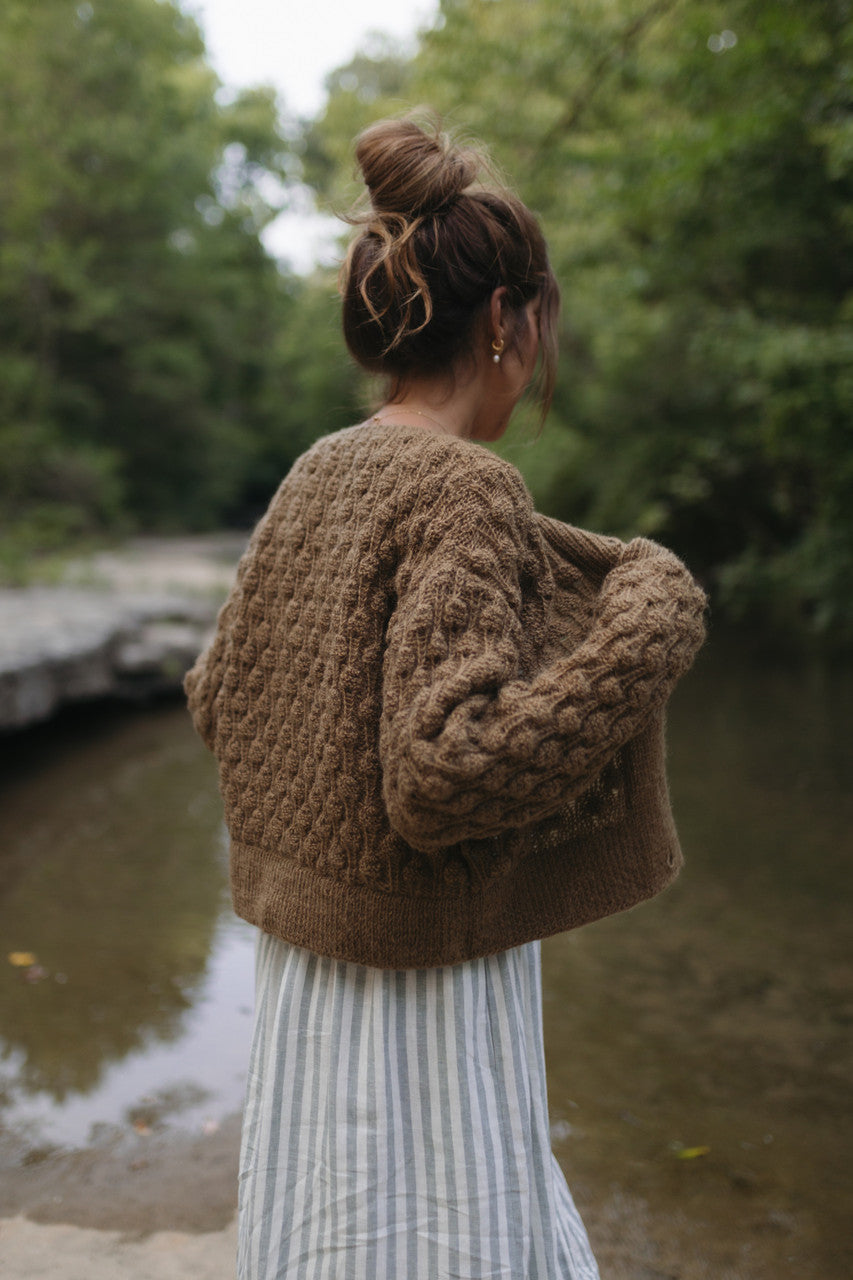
point(122, 624)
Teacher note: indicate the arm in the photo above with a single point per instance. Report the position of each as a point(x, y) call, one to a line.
point(204, 680)
point(468, 747)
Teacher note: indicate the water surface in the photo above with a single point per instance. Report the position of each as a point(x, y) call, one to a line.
point(113, 877)
point(698, 1047)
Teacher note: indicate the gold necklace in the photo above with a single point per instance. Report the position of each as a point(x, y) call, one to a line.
point(418, 413)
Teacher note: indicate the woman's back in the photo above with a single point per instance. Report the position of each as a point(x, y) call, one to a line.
point(438, 721)
point(399, 786)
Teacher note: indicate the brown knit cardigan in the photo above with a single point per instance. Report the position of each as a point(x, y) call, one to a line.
point(438, 715)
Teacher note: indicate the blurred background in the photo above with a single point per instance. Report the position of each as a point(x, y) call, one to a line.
point(691, 164)
point(169, 344)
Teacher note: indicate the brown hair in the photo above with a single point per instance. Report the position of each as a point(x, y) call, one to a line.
point(433, 245)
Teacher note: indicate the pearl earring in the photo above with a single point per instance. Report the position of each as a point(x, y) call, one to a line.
point(497, 348)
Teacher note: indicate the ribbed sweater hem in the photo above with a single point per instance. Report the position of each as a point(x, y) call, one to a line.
point(369, 926)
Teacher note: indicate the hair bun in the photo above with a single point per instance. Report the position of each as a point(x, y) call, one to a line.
point(409, 171)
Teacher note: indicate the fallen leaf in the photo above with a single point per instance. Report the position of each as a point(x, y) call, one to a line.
point(691, 1153)
point(21, 959)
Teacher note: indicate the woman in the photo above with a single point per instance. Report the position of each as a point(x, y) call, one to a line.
point(438, 719)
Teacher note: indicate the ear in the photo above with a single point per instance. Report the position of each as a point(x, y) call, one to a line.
point(497, 312)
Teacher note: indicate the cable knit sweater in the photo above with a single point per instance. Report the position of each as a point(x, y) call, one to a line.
point(438, 715)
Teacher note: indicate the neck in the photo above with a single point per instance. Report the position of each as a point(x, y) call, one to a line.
point(404, 414)
point(445, 415)
point(431, 408)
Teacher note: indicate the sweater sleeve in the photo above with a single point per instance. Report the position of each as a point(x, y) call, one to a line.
point(204, 680)
point(469, 745)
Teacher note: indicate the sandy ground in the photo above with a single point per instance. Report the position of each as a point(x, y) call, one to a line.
point(154, 1208)
point(32, 1252)
point(162, 1207)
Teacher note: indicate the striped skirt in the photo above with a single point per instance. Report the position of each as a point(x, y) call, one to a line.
point(396, 1125)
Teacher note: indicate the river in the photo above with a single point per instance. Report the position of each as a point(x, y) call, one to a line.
point(699, 1048)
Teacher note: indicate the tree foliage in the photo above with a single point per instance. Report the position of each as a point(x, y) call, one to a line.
point(140, 317)
point(692, 162)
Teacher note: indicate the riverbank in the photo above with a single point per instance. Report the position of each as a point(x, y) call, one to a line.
point(162, 1207)
point(123, 1189)
point(123, 624)
point(698, 1048)
point(75, 1253)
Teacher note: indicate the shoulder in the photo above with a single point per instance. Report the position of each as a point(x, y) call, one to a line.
point(445, 471)
point(454, 495)
point(427, 472)
point(407, 450)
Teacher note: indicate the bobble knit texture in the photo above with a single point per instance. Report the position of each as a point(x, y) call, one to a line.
point(438, 715)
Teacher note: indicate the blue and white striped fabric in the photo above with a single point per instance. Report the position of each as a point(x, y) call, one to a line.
point(396, 1125)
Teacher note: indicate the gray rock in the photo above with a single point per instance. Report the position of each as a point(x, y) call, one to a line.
point(119, 637)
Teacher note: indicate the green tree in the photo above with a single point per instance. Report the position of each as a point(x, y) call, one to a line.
point(373, 84)
point(138, 309)
point(691, 162)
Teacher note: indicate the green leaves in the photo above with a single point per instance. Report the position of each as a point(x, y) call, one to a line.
point(691, 162)
point(138, 309)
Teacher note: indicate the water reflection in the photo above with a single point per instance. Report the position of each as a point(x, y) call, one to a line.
point(718, 1018)
point(720, 1015)
point(114, 877)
